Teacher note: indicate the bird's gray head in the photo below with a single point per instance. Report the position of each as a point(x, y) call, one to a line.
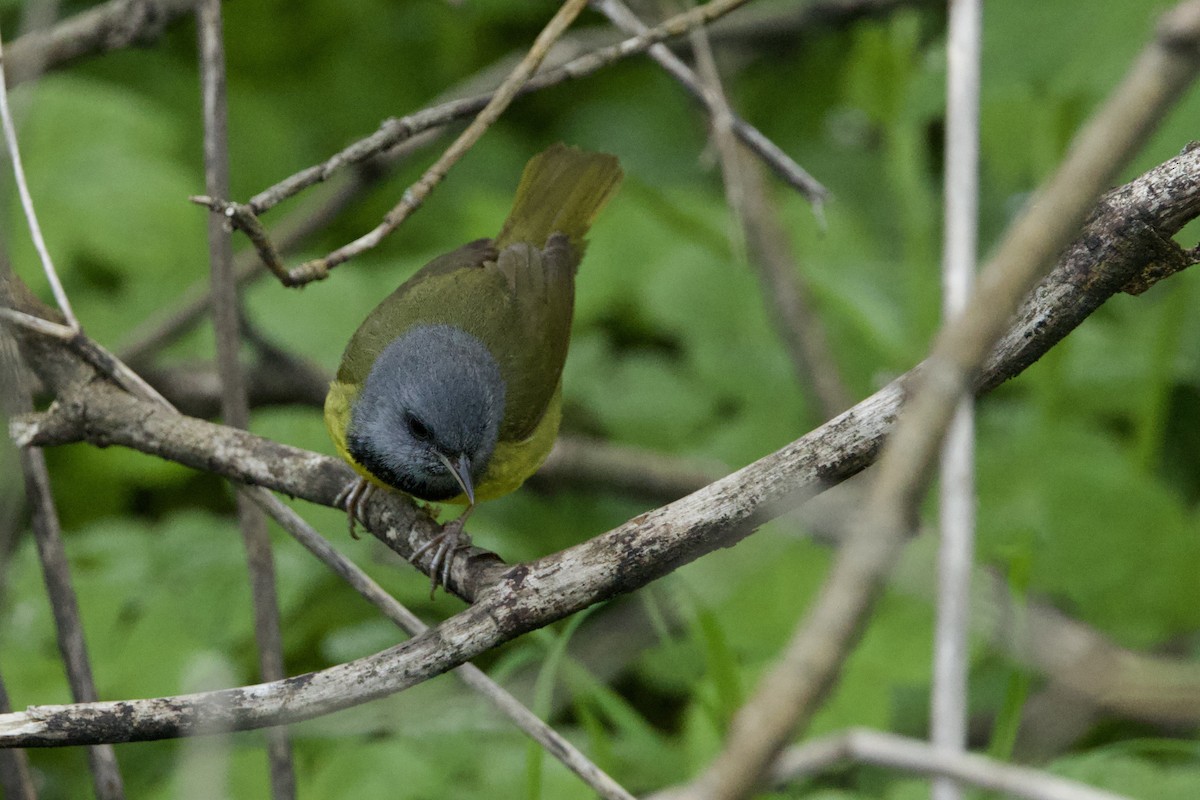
point(431, 406)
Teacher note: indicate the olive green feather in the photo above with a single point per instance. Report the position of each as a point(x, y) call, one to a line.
point(515, 293)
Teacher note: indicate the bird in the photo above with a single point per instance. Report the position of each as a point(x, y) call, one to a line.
point(450, 390)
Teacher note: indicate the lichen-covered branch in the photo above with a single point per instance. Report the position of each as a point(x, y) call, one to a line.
point(512, 600)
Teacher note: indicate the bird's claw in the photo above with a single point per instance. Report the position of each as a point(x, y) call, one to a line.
point(444, 545)
point(353, 499)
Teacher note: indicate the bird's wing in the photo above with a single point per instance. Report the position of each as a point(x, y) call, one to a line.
point(517, 301)
point(398, 311)
point(532, 346)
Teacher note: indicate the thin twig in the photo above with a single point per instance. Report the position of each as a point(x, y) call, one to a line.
point(45, 327)
point(788, 695)
point(234, 408)
point(394, 131)
point(35, 230)
point(783, 165)
point(522, 717)
point(16, 782)
point(768, 250)
point(56, 573)
point(948, 712)
point(415, 195)
point(160, 330)
point(1130, 230)
point(106, 774)
point(110, 26)
point(917, 757)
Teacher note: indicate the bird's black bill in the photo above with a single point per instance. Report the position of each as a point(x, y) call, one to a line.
point(460, 468)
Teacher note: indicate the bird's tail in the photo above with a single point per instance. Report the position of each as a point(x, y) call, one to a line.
point(562, 190)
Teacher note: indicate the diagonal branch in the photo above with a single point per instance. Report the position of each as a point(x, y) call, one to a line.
point(415, 195)
point(768, 250)
point(789, 693)
point(1128, 233)
point(771, 154)
point(31, 220)
point(393, 131)
point(110, 26)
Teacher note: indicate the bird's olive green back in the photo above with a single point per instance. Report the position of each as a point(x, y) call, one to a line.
point(516, 294)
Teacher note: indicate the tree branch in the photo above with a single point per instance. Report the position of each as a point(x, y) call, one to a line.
point(235, 410)
point(768, 250)
point(110, 26)
point(395, 130)
point(1129, 231)
point(920, 758)
point(789, 693)
point(771, 154)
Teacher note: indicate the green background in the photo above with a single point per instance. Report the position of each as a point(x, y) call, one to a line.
point(1089, 472)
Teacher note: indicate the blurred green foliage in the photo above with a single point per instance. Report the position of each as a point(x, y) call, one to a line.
point(1089, 464)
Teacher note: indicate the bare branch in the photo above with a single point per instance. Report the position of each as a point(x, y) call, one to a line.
point(252, 523)
point(912, 755)
point(769, 252)
point(764, 148)
point(15, 778)
point(394, 131)
point(415, 195)
point(1125, 234)
point(110, 26)
point(956, 514)
point(35, 230)
point(788, 695)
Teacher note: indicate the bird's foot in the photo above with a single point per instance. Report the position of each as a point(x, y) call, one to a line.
point(452, 539)
point(353, 499)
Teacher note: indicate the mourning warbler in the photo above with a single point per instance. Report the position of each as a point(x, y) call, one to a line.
point(450, 390)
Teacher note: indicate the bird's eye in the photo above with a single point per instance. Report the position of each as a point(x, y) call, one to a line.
point(419, 430)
